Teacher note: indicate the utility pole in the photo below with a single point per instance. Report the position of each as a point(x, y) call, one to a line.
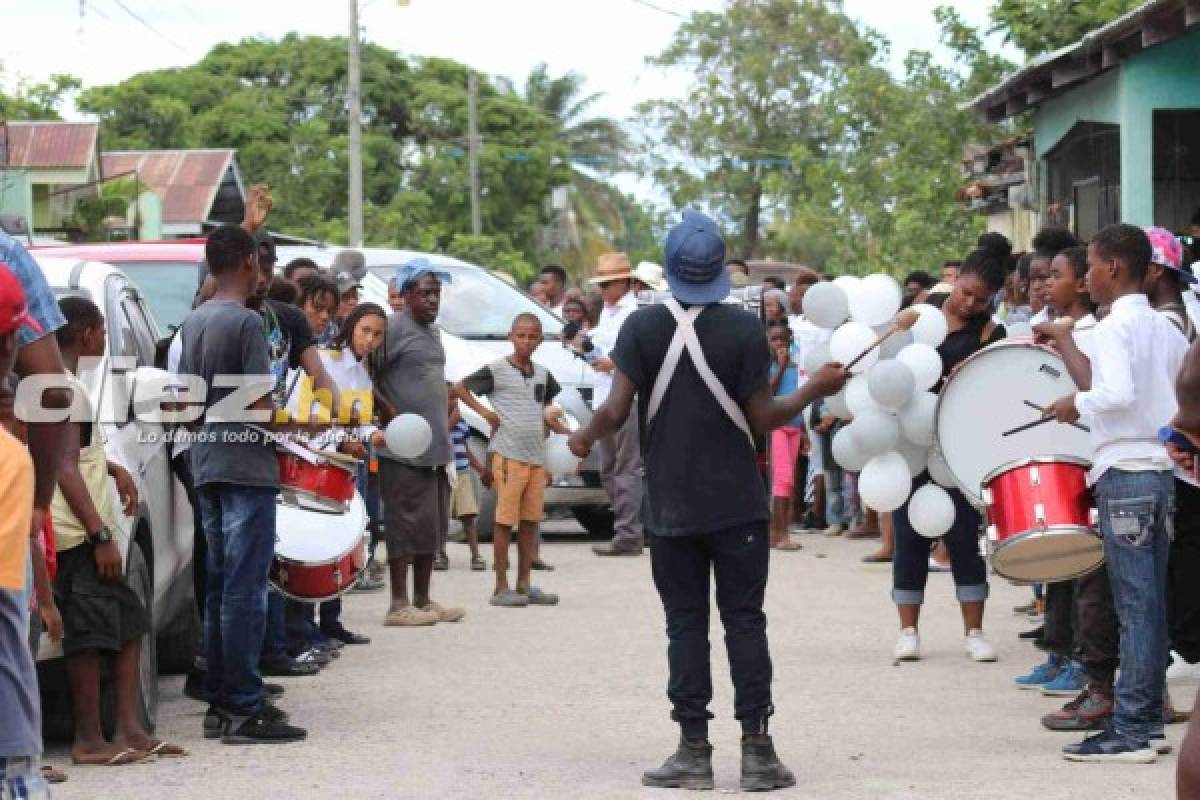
point(354, 99)
point(473, 148)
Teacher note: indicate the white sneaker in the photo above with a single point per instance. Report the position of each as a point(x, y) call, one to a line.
point(908, 646)
point(834, 530)
point(978, 647)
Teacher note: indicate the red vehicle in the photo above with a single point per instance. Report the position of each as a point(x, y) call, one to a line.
point(166, 273)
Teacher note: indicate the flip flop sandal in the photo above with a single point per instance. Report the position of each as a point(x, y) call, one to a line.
point(168, 750)
point(788, 547)
point(53, 775)
point(478, 565)
point(126, 757)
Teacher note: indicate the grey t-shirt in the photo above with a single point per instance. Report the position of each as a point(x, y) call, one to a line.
point(519, 399)
point(20, 711)
point(226, 338)
point(413, 380)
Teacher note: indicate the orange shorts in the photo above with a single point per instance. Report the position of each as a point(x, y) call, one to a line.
point(520, 491)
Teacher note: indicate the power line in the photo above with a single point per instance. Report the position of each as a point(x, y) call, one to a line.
point(121, 4)
point(660, 9)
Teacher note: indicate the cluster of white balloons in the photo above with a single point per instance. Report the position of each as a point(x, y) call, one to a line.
point(889, 441)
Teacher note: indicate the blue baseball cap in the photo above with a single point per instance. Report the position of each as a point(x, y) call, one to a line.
point(408, 275)
point(695, 254)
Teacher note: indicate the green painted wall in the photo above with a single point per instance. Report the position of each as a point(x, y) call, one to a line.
point(16, 193)
point(1160, 78)
point(1095, 101)
point(1164, 77)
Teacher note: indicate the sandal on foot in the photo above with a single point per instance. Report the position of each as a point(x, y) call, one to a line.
point(788, 547)
point(537, 597)
point(52, 774)
point(126, 757)
point(168, 750)
point(478, 564)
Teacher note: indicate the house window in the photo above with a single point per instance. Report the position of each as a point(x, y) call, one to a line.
point(1176, 168)
point(1083, 179)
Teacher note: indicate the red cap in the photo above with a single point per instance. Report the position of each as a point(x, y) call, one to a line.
point(13, 313)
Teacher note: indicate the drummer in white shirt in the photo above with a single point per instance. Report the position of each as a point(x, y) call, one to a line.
point(1136, 355)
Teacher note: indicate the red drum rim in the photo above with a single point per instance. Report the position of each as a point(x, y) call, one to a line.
point(326, 562)
point(1025, 462)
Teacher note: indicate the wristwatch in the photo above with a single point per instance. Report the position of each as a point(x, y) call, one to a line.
point(102, 536)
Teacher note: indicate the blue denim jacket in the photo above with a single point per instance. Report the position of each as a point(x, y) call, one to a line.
point(39, 299)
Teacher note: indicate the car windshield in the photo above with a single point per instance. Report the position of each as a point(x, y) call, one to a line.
point(168, 287)
point(478, 305)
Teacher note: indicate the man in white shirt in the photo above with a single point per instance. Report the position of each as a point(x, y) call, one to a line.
point(620, 454)
point(553, 281)
point(1136, 354)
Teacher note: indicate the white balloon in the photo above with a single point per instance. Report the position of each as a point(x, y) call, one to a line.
point(849, 341)
point(816, 357)
point(825, 305)
point(559, 458)
point(930, 327)
point(894, 344)
point(858, 396)
point(884, 483)
point(849, 284)
point(876, 300)
point(846, 451)
point(891, 384)
point(931, 511)
point(836, 404)
point(914, 455)
point(875, 432)
point(408, 435)
point(925, 363)
point(916, 418)
point(939, 470)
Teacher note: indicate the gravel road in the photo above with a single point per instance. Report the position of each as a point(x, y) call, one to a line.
point(568, 701)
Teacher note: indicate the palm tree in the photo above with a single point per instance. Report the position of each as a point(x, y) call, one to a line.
point(598, 146)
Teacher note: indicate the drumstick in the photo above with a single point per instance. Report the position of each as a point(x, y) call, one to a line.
point(1083, 428)
point(1028, 425)
point(903, 322)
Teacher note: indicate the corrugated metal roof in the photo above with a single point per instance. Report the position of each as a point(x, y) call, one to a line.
point(185, 180)
point(1050, 74)
point(51, 144)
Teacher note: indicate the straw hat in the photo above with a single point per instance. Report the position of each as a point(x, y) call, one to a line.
point(650, 274)
point(612, 267)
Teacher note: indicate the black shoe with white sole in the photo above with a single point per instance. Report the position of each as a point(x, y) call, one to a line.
point(268, 726)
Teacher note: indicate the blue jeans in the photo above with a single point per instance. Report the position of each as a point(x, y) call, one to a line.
point(910, 564)
point(837, 504)
point(239, 524)
point(1136, 510)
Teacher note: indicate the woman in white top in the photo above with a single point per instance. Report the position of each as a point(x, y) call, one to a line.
point(345, 361)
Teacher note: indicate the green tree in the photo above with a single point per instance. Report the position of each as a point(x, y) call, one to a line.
point(881, 196)
point(1040, 26)
point(37, 100)
point(762, 73)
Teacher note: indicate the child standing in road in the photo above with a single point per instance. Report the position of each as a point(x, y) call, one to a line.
point(519, 390)
point(464, 502)
point(788, 441)
point(101, 613)
point(1136, 355)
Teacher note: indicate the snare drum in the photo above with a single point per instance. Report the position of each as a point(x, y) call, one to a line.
point(986, 396)
point(327, 485)
point(1041, 520)
point(318, 556)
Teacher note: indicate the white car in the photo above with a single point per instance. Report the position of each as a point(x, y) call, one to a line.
point(476, 313)
point(157, 541)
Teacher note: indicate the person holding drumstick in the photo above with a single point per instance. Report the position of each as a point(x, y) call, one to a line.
point(1137, 354)
point(968, 315)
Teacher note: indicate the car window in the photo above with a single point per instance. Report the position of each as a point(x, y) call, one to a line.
point(167, 287)
point(478, 305)
point(121, 339)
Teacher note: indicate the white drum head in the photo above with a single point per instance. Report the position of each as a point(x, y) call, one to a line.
point(985, 398)
point(315, 537)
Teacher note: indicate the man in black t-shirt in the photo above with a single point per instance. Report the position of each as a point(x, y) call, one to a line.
point(705, 507)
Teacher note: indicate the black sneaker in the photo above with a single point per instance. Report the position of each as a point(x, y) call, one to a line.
point(216, 723)
point(268, 726)
point(689, 767)
point(273, 689)
point(194, 686)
